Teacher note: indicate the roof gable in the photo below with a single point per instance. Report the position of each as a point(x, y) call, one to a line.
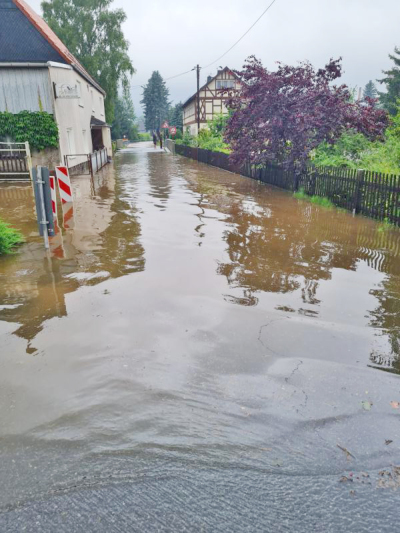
point(226, 69)
point(28, 38)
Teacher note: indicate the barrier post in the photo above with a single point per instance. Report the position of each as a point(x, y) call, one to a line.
point(43, 203)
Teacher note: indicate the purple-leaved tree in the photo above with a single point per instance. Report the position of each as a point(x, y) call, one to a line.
point(281, 116)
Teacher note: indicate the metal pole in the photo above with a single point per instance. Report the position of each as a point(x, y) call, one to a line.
point(198, 98)
point(28, 159)
point(43, 222)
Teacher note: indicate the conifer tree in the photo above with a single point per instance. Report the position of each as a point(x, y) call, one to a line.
point(390, 98)
point(124, 124)
point(176, 116)
point(155, 102)
point(370, 90)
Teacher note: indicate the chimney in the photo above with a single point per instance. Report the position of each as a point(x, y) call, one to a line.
point(209, 78)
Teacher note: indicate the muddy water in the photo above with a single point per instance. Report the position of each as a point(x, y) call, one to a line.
point(199, 352)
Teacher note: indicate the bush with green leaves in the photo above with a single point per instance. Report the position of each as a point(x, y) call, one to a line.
point(354, 150)
point(187, 139)
point(209, 141)
point(37, 128)
point(144, 137)
point(210, 138)
point(9, 238)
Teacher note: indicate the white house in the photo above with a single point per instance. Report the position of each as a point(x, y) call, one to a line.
point(38, 73)
point(212, 100)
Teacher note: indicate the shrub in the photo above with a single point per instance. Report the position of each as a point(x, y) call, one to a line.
point(354, 150)
point(144, 137)
point(9, 237)
point(37, 128)
point(281, 116)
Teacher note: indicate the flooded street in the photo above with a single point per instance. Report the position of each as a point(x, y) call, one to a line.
point(201, 352)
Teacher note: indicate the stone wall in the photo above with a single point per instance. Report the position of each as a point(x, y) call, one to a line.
point(50, 158)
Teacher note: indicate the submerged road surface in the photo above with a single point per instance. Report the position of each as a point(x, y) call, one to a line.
point(201, 352)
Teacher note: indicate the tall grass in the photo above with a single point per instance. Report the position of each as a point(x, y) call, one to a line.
point(9, 238)
point(318, 200)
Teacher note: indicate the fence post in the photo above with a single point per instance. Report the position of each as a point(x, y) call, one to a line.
point(28, 158)
point(312, 172)
point(296, 181)
point(357, 192)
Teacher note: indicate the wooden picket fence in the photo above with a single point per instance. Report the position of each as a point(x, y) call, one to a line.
point(372, 194)
point(15, 161)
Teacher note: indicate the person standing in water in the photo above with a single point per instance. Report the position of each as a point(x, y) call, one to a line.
point(154, 139)
point(160, 137)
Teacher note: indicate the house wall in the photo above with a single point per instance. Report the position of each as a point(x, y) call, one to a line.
point(73, 116)
point(212, 102)
point(31, 89)
point(25, 89)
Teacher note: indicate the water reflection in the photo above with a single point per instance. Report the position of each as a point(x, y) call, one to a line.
point(275, 244)
point(160, 176)
point(104, 243)
point(274, 252)
point(386, 317)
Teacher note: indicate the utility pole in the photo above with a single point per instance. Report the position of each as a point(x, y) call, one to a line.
point(198, 98)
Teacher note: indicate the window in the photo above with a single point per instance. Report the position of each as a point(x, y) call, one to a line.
point(225, 84)
point(70, 141)
point(101, 105)
point(92, 97)
point(80, 101)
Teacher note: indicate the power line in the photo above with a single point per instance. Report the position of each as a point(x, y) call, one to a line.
point(223, 55)
point(244, 35)
point(170, 78)
point(182, 74)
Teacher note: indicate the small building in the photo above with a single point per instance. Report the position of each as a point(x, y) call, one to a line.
point(38, 73)
point(212, 100)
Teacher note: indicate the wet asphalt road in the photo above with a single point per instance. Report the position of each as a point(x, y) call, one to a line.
point(201, 352)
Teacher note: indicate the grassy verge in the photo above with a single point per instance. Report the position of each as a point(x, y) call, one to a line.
point(9, 238)
point(318, 200)
point(386, 225)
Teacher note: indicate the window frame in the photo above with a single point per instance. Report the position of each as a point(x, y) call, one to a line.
point(221, 82)
point(71, 142)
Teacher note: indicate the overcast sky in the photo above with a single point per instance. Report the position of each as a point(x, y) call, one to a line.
point(172, 36)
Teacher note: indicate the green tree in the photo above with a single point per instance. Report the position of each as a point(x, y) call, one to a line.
point(392, 82)
point(176, 116)
point(370, 90)
point(93, 33)
point(155, 102)
point(124, 123)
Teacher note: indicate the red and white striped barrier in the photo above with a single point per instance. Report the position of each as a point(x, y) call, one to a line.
point(68, 216)
point(64, 184)
point(53, 196)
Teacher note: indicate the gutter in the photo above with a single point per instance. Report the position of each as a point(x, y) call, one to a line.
point(36, 65)
point(24, 65)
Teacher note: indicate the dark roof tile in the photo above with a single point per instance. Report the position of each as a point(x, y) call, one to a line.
point(20, 41)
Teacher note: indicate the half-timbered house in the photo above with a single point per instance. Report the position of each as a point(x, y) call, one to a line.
point(212, 97)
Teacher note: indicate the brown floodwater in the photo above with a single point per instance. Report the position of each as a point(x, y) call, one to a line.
point(191, 354)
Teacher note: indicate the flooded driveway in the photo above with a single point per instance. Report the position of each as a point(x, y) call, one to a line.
point(201, 352)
